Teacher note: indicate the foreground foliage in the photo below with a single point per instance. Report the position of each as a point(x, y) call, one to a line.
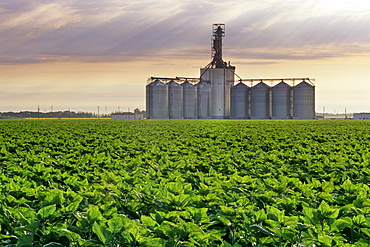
point(184, 183)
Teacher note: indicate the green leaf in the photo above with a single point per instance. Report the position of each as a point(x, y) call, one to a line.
point(69, 234)
point(45, 212)
point(326, 240)
point(275, 214)
point(224, 220)
point(2, 236)
point(25, 241)
point(302, 227)
point(102, 232)
point(148, 221)
point(324, 208)
point(73, 206)
point(116, 224)
point(260, 216)
point(54, 196)
point(225, 244)
point(366, 231)
point(154, 242)
point(343, 223)
point(311, 215)
point(94, 214)
point(167, 230)
point(264, 231)
point(359, 220)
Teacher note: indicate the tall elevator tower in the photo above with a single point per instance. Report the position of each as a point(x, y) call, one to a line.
point(219, 75)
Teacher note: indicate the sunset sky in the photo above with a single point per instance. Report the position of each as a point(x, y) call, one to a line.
point(81, 54)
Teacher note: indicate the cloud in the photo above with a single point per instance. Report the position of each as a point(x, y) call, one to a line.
point(112, 30)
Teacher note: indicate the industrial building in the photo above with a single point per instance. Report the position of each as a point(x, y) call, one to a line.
point(361, 116)
point(127, 115)
point(214, 94)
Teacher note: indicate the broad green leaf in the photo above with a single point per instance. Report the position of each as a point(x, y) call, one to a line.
point(324, 208)
point(343, 223)
point(94, 214)
point(148, 221)
point(260, 216)
point(116, 224)
point(2, 236)
point(54, 197)
point(102, 232)
point(359, 220)
point(224, 220)
point(366, 231)
point(275, 214)
point(73, 206)
point(154, 242)
point(225, 244)
point(199, 215)
point(326, 240)
point(311, 215)
point(45, 212)
point(25, 241)
point(264, 231)
point(72, 236)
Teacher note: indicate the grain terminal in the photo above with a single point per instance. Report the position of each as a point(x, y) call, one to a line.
point(219, 93)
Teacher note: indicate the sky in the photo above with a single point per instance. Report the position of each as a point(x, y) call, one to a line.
point(85, 54)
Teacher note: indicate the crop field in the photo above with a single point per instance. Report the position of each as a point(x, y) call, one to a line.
point(184, 183)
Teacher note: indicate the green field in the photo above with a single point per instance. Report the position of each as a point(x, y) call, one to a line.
point(184, 183)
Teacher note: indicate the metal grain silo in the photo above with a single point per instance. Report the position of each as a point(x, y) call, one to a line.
point(304, 101)
point(221, 80)
point(260, 101)
point(281, 95)
point(190, 100)
point(239, 97)
point(175, 100)
point(204, 100)
point(157, 100)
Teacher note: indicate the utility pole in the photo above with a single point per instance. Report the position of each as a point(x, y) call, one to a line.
point(98, 112)
point(323, 112)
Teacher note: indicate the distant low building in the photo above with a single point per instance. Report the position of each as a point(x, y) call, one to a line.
point(123, 115)
point(361, 116)
point(127, 115)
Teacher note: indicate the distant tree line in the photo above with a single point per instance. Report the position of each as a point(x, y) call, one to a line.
point(52, 114)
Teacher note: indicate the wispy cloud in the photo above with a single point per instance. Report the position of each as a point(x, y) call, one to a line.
point(113, 30)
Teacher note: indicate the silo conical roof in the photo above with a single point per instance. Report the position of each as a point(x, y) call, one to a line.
point(304, 84)
point(202, 85)
point(187, 84)
point(156, 83)
point(240, 85)
point(172, 83)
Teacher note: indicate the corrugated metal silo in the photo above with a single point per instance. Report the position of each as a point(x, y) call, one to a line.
point(204, 100)
point(157, 100)
point(148, 100)
point(304, 101)
point(190, 100)
point(260, 101)
point(229, 82)
point(221, 80)
point(175, 100)
point(239, 97)
point(281, 101)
